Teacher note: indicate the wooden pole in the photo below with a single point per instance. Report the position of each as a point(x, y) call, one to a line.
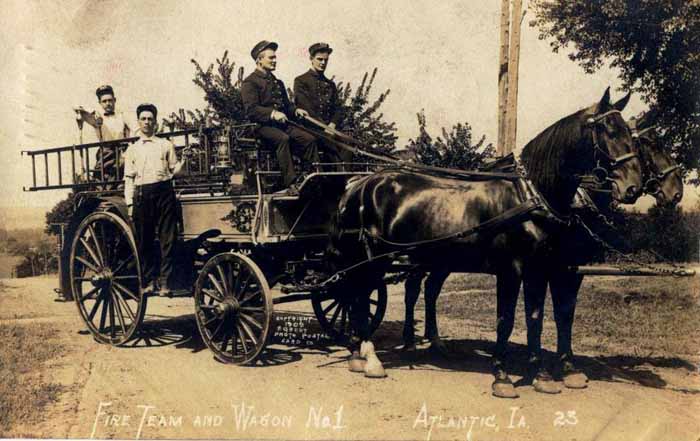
point(513, 61)
point(503, 78)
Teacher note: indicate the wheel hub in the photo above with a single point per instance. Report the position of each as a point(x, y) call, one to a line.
point(102, 279)
point(229, 307)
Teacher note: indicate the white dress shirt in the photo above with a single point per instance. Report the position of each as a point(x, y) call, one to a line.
point(147, 161)
point(113, 126)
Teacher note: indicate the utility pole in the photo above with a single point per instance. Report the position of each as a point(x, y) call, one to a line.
point(503, 78)
point(513, 61)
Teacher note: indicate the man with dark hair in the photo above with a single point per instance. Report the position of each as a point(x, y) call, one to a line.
point(266, 102)
point(109, 125)
point(150, 164)
point(318, 95)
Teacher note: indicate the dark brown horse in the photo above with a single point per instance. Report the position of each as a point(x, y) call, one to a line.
point(443, 223)
point(661, 179)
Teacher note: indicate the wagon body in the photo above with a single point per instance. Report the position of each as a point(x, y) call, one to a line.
point(237, 238)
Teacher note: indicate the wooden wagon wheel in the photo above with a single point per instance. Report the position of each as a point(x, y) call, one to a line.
point(332, 310)
point(105, 277)
point(233, 307)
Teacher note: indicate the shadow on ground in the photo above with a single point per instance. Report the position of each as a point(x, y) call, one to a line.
point(464, 355)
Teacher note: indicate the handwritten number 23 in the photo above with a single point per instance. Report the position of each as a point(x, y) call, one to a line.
point(565, 418)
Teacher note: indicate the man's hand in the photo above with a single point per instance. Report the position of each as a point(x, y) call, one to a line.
point(330, 131)
point(301, 113)
point(278, 116)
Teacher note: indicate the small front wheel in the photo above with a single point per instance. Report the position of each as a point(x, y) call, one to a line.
point(233, 307)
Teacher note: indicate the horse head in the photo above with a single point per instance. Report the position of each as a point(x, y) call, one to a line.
point(616, 156)
point(662, 175)
point(593, 144)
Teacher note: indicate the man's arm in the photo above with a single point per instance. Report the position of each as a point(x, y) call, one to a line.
point(302, 95)
point(337, 109)
point(129, 175)
point(250, 96)
point(174, 165)
point(89, 117)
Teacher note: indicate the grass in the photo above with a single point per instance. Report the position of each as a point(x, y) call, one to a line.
point(638, 316)
point(24, 392)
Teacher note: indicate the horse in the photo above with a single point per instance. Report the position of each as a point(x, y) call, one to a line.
point(497, 226)
point(661, 177)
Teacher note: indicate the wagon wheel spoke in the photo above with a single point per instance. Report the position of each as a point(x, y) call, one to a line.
point(248, 331)
point(118, 310)
point(254, 295)
point(88, 295)
point(224, 342)
point(343, 322)
point(103, 316)
point(212, 295)
point(133, 277)
point(251, 309)
point(91, 252)
point(95, 307)
point(331, 306)
point(224, 280)
point(335, 315)
point(82, 260)
point(131, 258)
point(208, 321)
point(98, 246)
point(125, 290)
point(217, 330)
point(112, 320)
point(217, 285)
point(252, 321)
point(121, 299)
point(243, 342)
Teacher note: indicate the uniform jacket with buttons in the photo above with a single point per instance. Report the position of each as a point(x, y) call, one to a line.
point(318, 95)
point(261, 94)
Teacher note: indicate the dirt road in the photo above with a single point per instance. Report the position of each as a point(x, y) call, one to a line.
point(167, 385)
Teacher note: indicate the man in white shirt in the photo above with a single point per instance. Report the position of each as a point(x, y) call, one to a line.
point(150, 164)
point(109, 125)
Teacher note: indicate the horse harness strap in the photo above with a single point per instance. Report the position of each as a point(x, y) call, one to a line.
point(513, 215)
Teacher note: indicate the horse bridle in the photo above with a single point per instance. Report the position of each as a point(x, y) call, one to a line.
point(653, 177)
point(601, 173)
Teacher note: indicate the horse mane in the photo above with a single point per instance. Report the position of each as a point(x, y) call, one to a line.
point(545, 156)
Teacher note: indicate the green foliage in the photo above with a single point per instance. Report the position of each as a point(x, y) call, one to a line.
point(61, 213)
point(454, 149)
point(362, 120)
point(654, 44)
point(666, 231)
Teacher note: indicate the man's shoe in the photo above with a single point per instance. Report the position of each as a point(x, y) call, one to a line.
point(165, 291)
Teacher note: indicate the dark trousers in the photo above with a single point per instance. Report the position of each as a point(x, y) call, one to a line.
point(155, 211)
point(334, 153)
point(288, 141)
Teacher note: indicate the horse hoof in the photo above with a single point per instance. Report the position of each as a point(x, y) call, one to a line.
point(504, 389)
point(374, 368)
point(356, 363)
point(546, 386)
point(576, 380)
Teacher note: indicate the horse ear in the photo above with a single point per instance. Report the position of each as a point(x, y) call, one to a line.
point(649, 118)
point(620, 105)
point(604, 103)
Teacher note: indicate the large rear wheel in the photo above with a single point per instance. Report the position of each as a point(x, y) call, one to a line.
point(233, 307)
point(105, 278)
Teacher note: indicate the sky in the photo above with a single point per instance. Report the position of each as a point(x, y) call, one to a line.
point(438, 56)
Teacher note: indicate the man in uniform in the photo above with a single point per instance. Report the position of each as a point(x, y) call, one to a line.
point(266, 102)
point(150, 164)
point(318, 95)
point(109, 125)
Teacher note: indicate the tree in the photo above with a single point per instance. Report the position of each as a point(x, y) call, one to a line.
point(362, 118)
point(655, 45)
point(61, 213)
point(455, 149)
